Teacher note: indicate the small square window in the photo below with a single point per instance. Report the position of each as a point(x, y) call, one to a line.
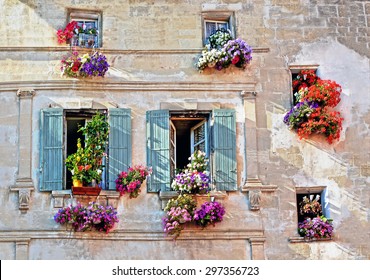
point(298, 80)
point(213, 21)
point(89, 25)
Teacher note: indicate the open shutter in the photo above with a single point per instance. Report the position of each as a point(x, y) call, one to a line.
point(119, 148)
point(51, 149)
point(158, 149)
point(224, 149)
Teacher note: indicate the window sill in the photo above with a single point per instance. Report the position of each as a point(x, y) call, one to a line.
point(65, 197)
point(300, 239)
point(167, 195)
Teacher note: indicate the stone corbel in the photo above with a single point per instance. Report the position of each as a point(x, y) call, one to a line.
point(23, 187)
point(255, 188)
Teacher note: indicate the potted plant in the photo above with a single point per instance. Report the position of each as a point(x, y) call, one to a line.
point(92, 217)
point(210, 213)
point(319, 227)
point(179, 210)
point(131, 181)
point(195, 178)
point(78, 34)
point(87, 65)
point(86, 164)
point(310, 206)
point(313, 113)
point(223, 51)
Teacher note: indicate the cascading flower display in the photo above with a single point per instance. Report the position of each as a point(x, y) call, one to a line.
point(95, 65)
point(210, 213)
point(194, 179)
point(94, 216)
point(178, 212)
point(223, 51)
point(313, 113)
point(130, 181)
point(299, 114)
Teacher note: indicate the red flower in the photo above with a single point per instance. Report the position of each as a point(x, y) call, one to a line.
point(235, 60)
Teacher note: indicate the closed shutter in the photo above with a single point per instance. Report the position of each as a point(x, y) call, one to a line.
point(158, 149)
point(224, 149)
point(51, 149)
point(119, 148)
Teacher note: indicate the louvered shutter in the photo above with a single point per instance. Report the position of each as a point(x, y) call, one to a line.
point(51, 149)
point(119, 147)
point(224, 149)
point(158, 149)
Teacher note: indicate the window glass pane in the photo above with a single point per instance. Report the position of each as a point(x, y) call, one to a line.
point(199, 134)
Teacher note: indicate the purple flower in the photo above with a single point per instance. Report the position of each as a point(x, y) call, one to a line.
point(299, 113)
point(319, 227)
point(209, 214)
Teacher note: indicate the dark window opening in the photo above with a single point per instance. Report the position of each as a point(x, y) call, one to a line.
point(311, 196)
point(189, 132)
point(74, 120)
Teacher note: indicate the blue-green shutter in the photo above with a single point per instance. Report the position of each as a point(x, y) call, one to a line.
point(158, 149)
point(51, 149)
point(224, 149)
point(119, 148)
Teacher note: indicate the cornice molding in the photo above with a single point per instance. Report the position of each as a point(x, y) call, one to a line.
point(108, 84)
point(117, 51)
point(135, 235)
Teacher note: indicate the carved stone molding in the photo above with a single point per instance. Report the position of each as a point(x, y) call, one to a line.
point(65, 197)
point(23, 186)
point(255, 188)
point(25, 93)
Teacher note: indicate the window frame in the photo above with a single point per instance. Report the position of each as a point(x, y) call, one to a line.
point(53, 146)
point(223, 156)
point(294, 70)
point(218, 16)
point(88, 15)
point(301, 192)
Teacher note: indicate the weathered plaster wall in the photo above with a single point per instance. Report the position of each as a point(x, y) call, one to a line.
point(152, 47)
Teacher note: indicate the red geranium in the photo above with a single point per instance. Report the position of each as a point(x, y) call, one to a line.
point(322, 121)
point(235, 59)
point(323, 92)
point(67, 33)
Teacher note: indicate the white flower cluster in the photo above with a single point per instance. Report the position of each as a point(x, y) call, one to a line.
point(209, 58)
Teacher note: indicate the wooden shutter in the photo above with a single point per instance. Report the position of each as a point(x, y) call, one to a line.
point(224, 149)
point(158, 149)
point(119, 147)
point(51, 149)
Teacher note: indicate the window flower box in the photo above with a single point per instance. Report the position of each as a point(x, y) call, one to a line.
point(223, 51)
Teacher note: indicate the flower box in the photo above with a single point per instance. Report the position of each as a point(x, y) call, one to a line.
point(90, 191)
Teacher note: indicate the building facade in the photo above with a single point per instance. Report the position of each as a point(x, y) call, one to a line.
point(156, 101)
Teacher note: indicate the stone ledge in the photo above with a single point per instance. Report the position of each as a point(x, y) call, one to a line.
point(135, 235)
point(119, 51)
point(65, 197)
point(299, 239)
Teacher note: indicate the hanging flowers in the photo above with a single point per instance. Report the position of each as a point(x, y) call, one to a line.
point(130, 181)
point(223, 51)
point(313, 114)
point(95, 65)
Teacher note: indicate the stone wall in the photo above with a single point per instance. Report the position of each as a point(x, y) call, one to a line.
point(152, 47)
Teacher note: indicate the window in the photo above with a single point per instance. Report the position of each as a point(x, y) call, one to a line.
point(315, 197)
point(213, 21)
point(58, 139)
point(90, 24)
point(188, 132)
point(173, 136)
point(295, 70)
